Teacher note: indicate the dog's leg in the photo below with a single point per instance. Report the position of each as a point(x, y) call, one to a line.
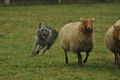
point(47, 48)
point(38, 50)
point(44, 51)
point(33, 50)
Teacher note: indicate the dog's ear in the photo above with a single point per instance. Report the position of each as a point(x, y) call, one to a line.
point(39, 25)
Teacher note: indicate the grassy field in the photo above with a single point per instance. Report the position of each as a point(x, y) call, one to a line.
point(17, 30)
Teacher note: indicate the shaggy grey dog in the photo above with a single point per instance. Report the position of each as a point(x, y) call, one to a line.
point(45, 37)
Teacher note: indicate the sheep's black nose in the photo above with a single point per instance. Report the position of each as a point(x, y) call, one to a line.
point(88, 27)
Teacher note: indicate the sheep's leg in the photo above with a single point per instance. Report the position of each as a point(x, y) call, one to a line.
point(87, 55)
point(119, 63)
point(116, 59)
point(66, 57)
point(79, 59)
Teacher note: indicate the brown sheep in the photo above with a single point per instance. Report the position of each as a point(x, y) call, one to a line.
point(112, 41)
point(77, 37)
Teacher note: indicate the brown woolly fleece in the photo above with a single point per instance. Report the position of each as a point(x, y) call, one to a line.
point(75, 38)
point(112, 39)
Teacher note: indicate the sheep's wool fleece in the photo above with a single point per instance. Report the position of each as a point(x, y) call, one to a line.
point(110, 41)
point(74, 40)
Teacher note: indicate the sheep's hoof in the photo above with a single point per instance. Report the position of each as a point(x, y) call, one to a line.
point(81, 65)
point(66, 60)
point(114, 63)
point(118, 66)
point(84, 61)
point(65, 64)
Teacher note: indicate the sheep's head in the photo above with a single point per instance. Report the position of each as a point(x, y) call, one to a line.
point(117, 31)
point(87, 23)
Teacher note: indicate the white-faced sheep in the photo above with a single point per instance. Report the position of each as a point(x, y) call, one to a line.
point(77, 37)
point(112, 41)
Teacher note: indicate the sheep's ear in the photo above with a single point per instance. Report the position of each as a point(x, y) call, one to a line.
point(93, 19)
point(81, 19)
point(115, 26)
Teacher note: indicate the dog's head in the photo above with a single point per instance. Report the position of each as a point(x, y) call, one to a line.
point(43, 31)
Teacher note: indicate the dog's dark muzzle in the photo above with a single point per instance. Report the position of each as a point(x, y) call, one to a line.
point(44, 36)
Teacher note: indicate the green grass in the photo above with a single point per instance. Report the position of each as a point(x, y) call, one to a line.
point(17, 30)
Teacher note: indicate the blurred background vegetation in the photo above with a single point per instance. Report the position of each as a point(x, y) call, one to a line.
point(50, 2)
